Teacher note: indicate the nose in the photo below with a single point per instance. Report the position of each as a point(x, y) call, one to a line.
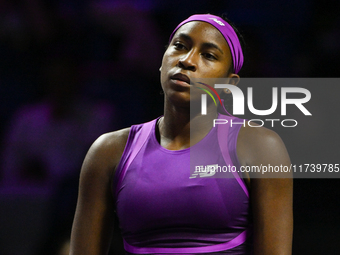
point(188, 61)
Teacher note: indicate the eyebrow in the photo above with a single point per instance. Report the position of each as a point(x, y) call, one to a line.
point(205, 45)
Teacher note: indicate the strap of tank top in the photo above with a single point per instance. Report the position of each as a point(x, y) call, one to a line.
point(142, 137)
point(222, 135)
point(241, 238)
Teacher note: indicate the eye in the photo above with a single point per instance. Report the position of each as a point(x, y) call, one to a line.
point(179, 46)
point(209, 56)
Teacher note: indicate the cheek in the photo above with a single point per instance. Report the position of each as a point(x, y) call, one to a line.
point(164, 70)
point(215, 72)
point(223, 70)
point(224, 73)
point(168, 62)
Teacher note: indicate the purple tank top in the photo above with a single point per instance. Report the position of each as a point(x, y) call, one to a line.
point(162, 208)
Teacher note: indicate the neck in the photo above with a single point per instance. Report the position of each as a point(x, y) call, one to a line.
point(180, 128)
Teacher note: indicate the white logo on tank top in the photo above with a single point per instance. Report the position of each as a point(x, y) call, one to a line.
point(204, 171)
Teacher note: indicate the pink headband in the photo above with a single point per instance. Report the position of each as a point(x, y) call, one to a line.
point(226, 30)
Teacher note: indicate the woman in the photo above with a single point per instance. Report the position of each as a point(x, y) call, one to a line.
point(160, 209)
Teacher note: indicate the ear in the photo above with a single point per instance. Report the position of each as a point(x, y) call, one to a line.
point(234, 79)
point(160, 69)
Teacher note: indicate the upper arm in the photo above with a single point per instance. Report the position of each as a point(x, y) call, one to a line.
point(93, 222)
point(271, 193)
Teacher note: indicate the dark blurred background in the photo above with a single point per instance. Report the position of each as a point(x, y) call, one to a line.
point(72, 70)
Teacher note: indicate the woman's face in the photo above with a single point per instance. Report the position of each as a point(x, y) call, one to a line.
point(197, 50)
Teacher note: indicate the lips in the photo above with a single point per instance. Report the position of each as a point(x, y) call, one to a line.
point(181, 77)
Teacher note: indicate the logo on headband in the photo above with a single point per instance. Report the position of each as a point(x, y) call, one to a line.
point(218, 21)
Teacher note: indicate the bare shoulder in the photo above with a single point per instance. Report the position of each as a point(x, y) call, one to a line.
point(93, 221)
point(105, 153)
point(260, 145)
point(111, 142)
point(271, 188)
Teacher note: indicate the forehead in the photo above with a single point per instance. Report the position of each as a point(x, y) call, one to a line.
point(202, 31)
